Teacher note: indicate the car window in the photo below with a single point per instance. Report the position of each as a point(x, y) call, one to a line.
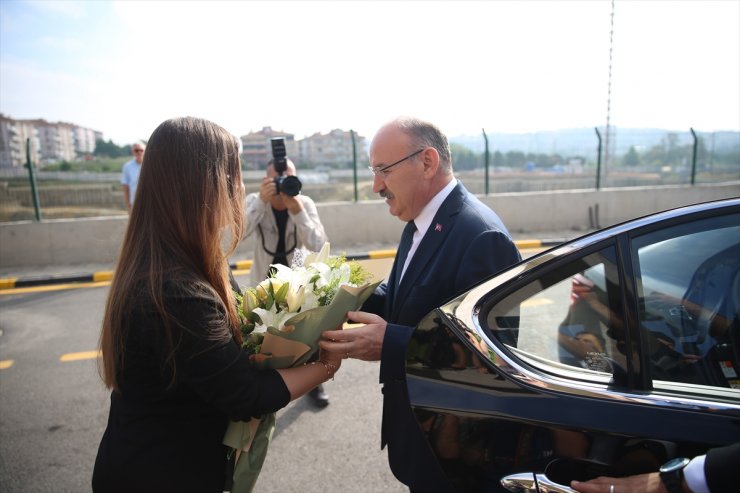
point(688, 283)
point(568, 321)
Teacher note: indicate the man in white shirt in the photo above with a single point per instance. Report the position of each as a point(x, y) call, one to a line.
point(130, 174)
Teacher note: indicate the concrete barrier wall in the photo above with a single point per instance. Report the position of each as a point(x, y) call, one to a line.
point(357, 227)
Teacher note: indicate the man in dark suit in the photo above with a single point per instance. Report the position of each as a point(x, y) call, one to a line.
point(451, 242)
point(714, 472)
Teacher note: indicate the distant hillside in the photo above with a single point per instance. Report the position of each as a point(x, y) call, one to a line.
point(584, 142)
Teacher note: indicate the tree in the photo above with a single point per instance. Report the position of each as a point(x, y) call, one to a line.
point(498, 159)
point(463, 158)
point(515, 159)
point(110, 149)
point(632, 158)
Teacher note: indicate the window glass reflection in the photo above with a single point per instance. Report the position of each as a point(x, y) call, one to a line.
point(567, 320)
point(689, 289)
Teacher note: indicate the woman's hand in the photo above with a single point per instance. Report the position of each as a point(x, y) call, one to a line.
point(331, 361)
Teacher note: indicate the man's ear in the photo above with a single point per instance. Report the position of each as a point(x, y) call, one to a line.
point(430, 160)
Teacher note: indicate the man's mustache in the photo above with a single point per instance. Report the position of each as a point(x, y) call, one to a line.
point(385, 194)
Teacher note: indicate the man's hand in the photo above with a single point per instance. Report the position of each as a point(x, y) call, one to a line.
point(292, 203)
point(363, 343)
point(267, 189)
point(646, 483)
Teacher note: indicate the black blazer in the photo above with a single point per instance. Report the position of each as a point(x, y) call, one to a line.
point(720, 468)
point(466, 243)
point(169, 438)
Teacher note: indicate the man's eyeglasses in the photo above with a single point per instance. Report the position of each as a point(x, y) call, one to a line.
point(138, 150)
point(383, 172)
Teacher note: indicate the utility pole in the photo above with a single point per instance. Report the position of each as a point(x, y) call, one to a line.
point(607, 140)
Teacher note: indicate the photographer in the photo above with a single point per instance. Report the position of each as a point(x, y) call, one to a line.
point(282, 222)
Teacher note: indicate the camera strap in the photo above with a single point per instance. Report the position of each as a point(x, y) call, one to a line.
point(286, 253)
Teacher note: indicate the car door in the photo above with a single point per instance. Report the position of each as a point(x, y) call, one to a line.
point(606, 357)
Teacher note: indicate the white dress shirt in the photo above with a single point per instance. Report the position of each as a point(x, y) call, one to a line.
point(424, 220)
point(694, 475)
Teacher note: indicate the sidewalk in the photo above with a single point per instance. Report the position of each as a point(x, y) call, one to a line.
point(15, 277)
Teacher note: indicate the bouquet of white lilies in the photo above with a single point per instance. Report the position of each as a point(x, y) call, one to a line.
point(282, 321)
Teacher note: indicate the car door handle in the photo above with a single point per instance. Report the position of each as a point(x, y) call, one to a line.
point(529, 482)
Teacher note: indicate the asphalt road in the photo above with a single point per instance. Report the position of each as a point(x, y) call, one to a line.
point(53, 408)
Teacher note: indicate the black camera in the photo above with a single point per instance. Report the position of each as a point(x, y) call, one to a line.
point(289, 185)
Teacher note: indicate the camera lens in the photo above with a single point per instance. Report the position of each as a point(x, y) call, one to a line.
point(290, 185)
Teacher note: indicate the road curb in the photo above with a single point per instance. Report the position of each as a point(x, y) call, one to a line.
point(107, 275)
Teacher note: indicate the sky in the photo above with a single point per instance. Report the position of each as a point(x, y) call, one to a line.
point(303, 67)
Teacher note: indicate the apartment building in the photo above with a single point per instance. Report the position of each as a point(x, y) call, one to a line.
point(332, 149)
point(57, 142)
point(85, 139)
point(13, 136)
point(51, 142)
point(257, 150)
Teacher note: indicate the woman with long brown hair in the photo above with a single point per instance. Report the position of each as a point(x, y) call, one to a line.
point(170, 340)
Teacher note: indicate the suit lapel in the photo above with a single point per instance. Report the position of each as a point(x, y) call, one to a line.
point(431, 243)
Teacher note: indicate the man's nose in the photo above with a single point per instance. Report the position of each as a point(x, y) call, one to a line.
point(378, 183)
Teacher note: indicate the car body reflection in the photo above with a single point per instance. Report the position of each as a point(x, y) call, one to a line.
point(501, 390)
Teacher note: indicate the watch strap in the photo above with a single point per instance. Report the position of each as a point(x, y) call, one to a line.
point(673, 480)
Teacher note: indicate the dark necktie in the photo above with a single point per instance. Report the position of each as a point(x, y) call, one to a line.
point(407, 238)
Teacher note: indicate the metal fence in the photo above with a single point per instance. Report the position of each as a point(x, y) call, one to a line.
point(489, 163)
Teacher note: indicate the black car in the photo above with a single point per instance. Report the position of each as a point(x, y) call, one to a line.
point(608, 355)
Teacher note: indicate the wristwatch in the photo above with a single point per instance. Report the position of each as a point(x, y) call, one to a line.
point(671, 474)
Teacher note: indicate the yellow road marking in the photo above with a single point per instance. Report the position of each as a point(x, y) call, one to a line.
point(6, 363)
point(79, 356)
point(55, 287)
point(242, 267)
point(373, 254)
point(528, 244)
point(104, 275)
point(8, 283)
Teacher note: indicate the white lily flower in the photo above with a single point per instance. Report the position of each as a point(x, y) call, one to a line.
point(282, 272)
point(259, 328)
point(310, 300)
point(324, 272)
point(273, 318)
point(322, 256)
point(296, 276)
point(342, 274)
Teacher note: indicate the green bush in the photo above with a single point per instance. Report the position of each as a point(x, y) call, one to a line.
point(98, 165)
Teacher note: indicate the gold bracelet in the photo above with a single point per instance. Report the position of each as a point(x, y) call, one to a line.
point(330, 368)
